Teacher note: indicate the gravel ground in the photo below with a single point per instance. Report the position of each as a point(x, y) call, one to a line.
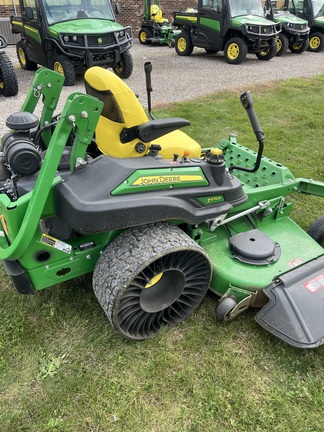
point(176, 78)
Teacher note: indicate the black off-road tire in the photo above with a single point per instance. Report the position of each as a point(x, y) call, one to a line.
point(23, 59)
point(144, 36)
point(282, 45)
point(267, 54)
point(151, 277)
point(124, 68)
point(299, 49)
point(316, 231)
point(8, 79)
point(65, 67)
point(183, 44)
point(316, 42)
point(235, 50)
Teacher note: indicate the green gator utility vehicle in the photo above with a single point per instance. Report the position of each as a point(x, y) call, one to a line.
point(294, 30)
point(70, 36)
point(313, 12)
point(233, 26)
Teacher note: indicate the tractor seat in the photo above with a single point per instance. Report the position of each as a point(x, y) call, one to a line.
point(123, 111)
point(156, 14)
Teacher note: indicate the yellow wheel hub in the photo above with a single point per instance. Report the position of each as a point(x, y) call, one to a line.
point(315, 42)
point(1, 85)
point(143, 37)
point(233, 51)
point(154, 280)
point(182, 44)
point(279, 44)
point(22, 57)
point(58, 68)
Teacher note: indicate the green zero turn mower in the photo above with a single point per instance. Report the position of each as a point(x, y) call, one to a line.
point(156, 232)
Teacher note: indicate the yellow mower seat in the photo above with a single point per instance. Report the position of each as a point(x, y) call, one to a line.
point(156, 14)
point(123, 110)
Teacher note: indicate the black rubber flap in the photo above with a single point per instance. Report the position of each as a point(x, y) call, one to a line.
point(295, 312)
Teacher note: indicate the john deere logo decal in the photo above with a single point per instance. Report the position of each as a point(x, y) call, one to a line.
point(99, 40)
point(167, 179)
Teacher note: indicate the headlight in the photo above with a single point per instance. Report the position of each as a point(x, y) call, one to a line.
point(121, 33)
point(66, 38)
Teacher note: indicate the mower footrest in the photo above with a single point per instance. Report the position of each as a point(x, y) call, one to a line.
point(296, 308)
point(18, 277)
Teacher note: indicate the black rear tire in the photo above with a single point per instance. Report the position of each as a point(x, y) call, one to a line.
point(65, 67)
point(8, 79)
point(183, 44)
point(23, 59)
point(316, 231)
point(124, 67)
point(151, 277)
point(144, 36)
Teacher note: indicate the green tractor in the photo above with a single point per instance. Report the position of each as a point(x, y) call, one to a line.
point(235, 27)
point(8, 78)
point(313, 12)
point(294, 30)
point(155, 28)
point(69, 36)
point(156, 231)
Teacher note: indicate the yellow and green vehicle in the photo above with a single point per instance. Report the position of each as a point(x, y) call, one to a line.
point(313, 12)
point(235, 27)
point(157, 225)
point(69, 36)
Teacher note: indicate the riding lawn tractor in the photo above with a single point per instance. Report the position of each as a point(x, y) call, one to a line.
point(157, 222)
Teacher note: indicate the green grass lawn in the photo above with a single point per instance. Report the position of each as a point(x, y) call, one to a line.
point(62, 367)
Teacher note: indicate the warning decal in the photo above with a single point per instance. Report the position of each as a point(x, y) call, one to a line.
point(315, 284)
point(55, 243)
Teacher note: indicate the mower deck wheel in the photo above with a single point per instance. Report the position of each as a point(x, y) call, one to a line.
point(150, 277)
point(224, 307)
point(316, 231)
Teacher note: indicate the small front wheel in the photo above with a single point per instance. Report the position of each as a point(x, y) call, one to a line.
point(235, 50)
point(183, 44)
point(224, 308)
point(124, 67)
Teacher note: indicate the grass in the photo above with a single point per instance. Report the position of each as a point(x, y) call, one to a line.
point(62, 368)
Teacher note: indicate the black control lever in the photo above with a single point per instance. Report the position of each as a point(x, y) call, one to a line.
point(148, 71)
point(247, 103)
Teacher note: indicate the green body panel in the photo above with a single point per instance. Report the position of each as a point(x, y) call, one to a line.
point(212, 24)
point(82, 26)
point(249, 20)
point(287, 17)
point(228, 272)
point(319, 21)
point(33, 33)
point(164, 178)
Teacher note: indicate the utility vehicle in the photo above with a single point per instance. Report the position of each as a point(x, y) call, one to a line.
point(70, 36)
point(294, 30)
point(313, 12)
point(155, 27)
point(234, 26)
point(156, 232)
point(8, 78)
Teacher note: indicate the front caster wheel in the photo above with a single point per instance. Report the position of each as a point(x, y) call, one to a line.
point(150, 277)
point(224, 308)
point(316, 231)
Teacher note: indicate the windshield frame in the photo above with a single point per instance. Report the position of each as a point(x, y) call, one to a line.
point(246, 7)
point(58, 11)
